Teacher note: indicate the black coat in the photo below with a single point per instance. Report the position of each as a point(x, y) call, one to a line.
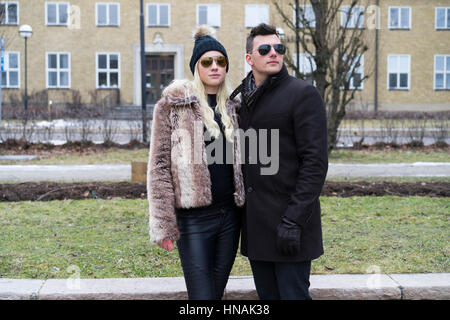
point(295, 108)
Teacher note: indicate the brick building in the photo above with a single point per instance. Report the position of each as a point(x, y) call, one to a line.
point(93, 46)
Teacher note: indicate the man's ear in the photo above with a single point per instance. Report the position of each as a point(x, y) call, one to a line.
point(248, 58)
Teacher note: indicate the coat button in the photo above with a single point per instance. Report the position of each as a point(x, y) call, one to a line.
point(250, 189)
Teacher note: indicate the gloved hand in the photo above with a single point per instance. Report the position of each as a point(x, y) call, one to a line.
point(288, 237)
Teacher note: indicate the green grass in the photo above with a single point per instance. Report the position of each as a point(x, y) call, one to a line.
point(121, 156)
point(109, 239)
point(375, 156)
point(107, 156)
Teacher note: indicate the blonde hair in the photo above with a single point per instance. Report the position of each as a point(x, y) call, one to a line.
point(223, 93)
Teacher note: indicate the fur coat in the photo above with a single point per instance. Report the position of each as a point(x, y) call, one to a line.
point(178, 174)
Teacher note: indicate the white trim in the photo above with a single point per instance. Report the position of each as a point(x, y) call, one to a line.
point(107, 70)
point(218, 23)
point(8, 70)
point(361, 67)
point(398, 78)
point(158, 15)
point(446, 27)
point(305, 7)
point(399, 27)
point(6, 11)
point(58, 70)
point(255, 10)
point(345, 10)
point(176, 49)
point(444, 72)
point(57, 13)
point(108, 15)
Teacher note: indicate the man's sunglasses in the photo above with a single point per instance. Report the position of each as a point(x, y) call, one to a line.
point(265, 49)
point(221, 61)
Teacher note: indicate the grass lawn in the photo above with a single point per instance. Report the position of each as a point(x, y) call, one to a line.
point(377, 156)
point(121, 156)
point(109, 239)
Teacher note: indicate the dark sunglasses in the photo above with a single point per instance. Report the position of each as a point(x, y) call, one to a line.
point(265, 49)
point(221, 61)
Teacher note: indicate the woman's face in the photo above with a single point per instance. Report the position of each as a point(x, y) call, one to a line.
point(212, 70)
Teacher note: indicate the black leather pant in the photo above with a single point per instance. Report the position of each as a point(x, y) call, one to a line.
point(282, 280)
point(207, 246)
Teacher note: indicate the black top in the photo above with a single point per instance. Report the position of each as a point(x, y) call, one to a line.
point(220, 169)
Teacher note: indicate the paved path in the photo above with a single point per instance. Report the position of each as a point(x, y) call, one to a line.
point(430, 286)
point(123, 172)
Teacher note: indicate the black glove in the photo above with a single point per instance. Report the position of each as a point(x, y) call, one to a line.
point(288, 237)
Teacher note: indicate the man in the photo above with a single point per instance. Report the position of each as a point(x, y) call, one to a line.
point(281, 225)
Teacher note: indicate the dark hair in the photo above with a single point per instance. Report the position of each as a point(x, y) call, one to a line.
point(261, 29)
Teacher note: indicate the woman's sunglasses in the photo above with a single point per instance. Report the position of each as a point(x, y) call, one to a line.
point(265, 49)
point(221, 61)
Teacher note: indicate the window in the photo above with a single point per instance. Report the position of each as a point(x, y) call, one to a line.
point(307, 65)
point(57, 13)
point(398, 72)
point(355, 81)
point(443, 18)
point(442, 72)
point(256, 14)
point(58, 70)
point(208, 14)
point(9, 12)
point(305, 13)
point(353, 19)
point(10, 75)
point(158, 15)
point(107, 14)
point(108, 70)
point(399, 18)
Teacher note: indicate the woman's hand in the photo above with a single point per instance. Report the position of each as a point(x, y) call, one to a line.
point(166, 244)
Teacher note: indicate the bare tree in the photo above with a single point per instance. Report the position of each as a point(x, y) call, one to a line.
point(332, 39)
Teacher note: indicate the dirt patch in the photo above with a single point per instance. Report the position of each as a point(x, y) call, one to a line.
point(46, 191)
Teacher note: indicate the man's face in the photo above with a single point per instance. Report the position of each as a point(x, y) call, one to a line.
point(268, 64)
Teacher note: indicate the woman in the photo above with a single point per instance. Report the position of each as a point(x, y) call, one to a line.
point(194, 189)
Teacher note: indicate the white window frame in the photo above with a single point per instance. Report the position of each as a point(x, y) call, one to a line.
point(58, 70)
point(158, 15)
point(261, 11)
point(399, 26)
point(306, 8)
point(345, 10)
point(210, 5)
point(107, 70)
point(57, 23)
point(398, 72)
point(445, 72)
point(108, 17)
point(7, 3)
point(361, 68)
point(9, 69)
point(306, 62)
point(446, 27)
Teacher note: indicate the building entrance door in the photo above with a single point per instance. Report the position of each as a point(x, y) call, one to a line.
point(158, 75)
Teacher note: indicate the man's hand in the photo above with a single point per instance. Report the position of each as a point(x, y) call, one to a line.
point(288, 237)
point(166, 244)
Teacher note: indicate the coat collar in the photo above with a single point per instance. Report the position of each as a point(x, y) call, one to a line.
point(179, 94)
point(271, 81)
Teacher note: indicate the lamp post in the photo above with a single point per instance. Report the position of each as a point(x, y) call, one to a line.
point(25, 31)
point(143, 84)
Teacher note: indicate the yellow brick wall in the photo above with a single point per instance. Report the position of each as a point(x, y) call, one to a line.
point(422, 42)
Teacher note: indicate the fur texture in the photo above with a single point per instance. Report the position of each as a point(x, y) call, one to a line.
point(178, 175)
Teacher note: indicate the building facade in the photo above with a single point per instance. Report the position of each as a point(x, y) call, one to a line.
point(93, 46)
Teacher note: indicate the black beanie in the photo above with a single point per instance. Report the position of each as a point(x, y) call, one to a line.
point(205, 42)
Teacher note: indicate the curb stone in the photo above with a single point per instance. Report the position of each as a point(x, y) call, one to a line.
point(430, 286)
